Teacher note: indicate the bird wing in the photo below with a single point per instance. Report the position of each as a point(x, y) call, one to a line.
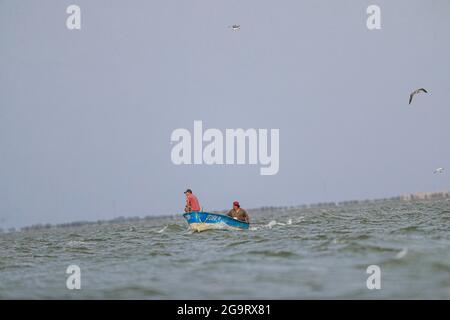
point(423, 90)
point(411, 97)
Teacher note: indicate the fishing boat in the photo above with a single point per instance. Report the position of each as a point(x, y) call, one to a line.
point(201, 221)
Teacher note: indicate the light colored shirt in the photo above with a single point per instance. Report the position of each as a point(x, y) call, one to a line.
point(240, 214)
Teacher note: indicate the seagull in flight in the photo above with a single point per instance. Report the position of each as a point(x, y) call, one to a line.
point(411, 96)
point(235, 27)
point(439, 170)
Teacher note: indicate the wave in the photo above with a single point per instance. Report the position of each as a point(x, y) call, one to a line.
point(401, 254)
point(171, 227)
point(76, 244)
point(273, 223)
point(163, 229)
point(269, 253)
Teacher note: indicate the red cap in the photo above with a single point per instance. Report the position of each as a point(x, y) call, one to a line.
point(236, 203)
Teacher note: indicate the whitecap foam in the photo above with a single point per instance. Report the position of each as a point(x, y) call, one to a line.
point(163, 229)
point(298, 219)
point(271, 224)
point(401, 254)
point(76, 244)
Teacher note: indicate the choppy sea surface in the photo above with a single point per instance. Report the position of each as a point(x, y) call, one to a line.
point(309, 253)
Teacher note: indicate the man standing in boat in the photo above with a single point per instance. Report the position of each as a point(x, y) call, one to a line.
point(192, 203)
point(238, 213)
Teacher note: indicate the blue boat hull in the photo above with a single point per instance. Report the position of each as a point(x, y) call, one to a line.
point(201, 221)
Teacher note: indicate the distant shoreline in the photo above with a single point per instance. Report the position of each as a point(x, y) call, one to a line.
point(408, 197)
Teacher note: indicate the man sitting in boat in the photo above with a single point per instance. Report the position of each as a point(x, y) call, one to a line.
point(238, 213)
point(192, 203)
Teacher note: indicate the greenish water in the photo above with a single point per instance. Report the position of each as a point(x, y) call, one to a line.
point(288, 254)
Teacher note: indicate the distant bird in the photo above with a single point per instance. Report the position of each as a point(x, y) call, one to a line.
point(411, 96)
point(235, 27)
point(439, 170)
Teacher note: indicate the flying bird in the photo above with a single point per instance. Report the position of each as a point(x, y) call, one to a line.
point(411, 96)
point(439, 170)
point(235, 27)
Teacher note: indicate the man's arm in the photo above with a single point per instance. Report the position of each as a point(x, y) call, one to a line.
point(187, 207)
point(247, 218)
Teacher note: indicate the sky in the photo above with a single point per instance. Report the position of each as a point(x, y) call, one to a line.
point(86, 115)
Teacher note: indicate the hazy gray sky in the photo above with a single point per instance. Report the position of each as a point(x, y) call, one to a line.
point(86, 115)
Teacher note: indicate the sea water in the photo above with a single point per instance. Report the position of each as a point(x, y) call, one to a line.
point(288, 253)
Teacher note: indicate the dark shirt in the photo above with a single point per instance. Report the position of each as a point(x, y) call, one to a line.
point(240, 215)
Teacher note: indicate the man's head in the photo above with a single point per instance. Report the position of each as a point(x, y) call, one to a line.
point(188, 191)
point(236, 205)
